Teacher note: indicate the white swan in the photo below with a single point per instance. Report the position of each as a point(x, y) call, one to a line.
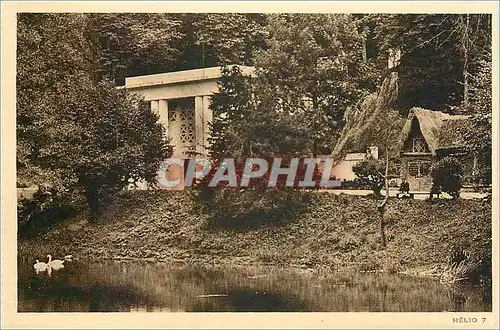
point(55, 264)
point(40, 266)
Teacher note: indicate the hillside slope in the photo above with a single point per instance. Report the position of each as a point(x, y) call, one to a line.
point(334, 231)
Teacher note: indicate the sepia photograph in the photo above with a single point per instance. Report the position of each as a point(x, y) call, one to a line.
point(252, 161)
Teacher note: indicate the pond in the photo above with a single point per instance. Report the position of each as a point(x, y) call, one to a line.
point(160, 287)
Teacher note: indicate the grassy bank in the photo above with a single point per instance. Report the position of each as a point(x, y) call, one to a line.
point(332, 231)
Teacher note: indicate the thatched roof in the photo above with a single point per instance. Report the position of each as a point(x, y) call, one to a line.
point(440, 130)
point(453, 131)
point(360, 121)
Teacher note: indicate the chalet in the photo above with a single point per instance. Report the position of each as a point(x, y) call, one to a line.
point(428, 136)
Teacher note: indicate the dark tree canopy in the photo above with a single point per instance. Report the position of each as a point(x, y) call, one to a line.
point(76, 130)
point(437, 53)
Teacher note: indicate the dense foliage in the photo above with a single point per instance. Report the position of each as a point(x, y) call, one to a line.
point(246, 124)
point(370, 173)
point(312, 71)
point(439, 54)
point(447, 176)
point(139, 44)
point(309, 73)
point(479, 137)
point(77, 132)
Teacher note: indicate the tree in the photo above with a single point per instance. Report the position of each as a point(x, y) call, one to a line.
point(119, 141)
point(392, 124)
point(74, 125)
point(438, 54)
point(479, 137)
point(132, 44)
point(229, 38)
point(369, 173)
point(376, 173)
point(474, 33)
point(246, 123)
point(447, 176)
point(51, 49)
point(231, 107)
point(129, 44)
point(312, 68)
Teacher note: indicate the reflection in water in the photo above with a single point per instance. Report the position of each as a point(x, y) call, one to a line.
point(148, 287)
point(254, 301)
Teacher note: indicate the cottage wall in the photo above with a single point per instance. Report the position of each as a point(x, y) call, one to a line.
point(343, 170)
point(416, 160)
point(416, 171)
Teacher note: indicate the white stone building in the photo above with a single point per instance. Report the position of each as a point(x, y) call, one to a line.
point(182, 100)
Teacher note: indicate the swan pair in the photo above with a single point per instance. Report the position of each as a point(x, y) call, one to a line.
point(51, 265)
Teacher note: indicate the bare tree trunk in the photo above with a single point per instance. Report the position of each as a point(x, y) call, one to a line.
point(465, 45)
point(363, 40)
point(381, 206)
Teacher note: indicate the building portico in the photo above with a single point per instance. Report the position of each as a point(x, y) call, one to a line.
point(182, 101)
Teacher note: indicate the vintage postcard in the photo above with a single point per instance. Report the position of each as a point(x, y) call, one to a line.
point(250, 165)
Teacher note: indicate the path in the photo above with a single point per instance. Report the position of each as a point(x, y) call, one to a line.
point(352, 192)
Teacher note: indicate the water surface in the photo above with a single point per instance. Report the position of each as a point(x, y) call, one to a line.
point(141, 286)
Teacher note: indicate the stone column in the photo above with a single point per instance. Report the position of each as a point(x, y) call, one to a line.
point(154, 106)
point(198, 123)
point(163, 112)
point(207, 119)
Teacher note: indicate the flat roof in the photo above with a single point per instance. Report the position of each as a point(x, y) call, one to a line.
point(180, 77)
point(355, 156)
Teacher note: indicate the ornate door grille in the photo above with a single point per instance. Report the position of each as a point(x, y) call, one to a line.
point(181, 123)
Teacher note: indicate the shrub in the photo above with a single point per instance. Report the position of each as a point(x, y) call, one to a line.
point(47, 206)
point(447, 176)
point(233, 206)
point(72, 121)
point(369, 172)
point(249, 208)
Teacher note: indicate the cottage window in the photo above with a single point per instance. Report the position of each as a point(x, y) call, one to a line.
point(419, 169)
point(419, 144)
point(413, 169)
point(424, 168)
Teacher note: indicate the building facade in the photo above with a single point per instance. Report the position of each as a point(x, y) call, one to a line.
point(182, 101)
point(343, 169)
